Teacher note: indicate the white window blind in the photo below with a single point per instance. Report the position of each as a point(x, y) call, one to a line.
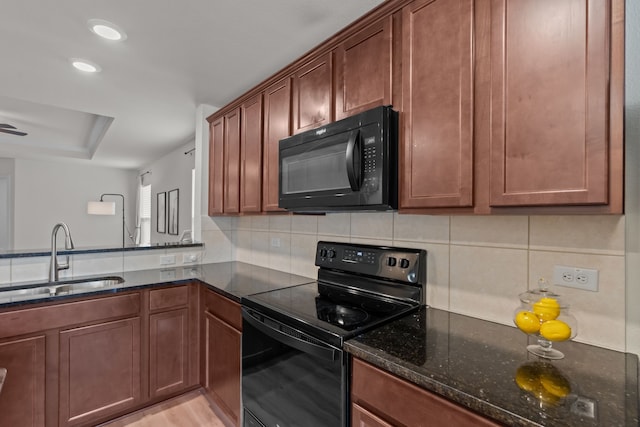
point(145, 202)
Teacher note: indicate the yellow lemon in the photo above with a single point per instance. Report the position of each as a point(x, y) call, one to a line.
point(555, 384)
point(555, 330)
point(546, 308)
point(527, 378)
point(527, 322)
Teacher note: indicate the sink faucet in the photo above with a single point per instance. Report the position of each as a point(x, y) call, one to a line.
point(68, 244)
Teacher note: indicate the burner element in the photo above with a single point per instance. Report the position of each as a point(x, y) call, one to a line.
point(340, 315)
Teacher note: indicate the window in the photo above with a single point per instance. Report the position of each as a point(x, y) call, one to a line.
point(145, 215)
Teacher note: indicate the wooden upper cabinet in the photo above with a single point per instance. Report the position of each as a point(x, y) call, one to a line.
point(216, 166)
point(277, 125)
point(363, 69)
point(436, 151)
point(312, 99)
point(251, 155)
point(232, 161)
point(549, 102)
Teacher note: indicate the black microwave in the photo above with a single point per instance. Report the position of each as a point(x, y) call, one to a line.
point(347, 165)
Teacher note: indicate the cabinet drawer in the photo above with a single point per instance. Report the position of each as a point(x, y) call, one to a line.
point(400, 402)
point(223, 308)
point(162, 299)
point(57, 315)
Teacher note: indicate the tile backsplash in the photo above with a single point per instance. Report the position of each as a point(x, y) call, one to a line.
point(477, 265)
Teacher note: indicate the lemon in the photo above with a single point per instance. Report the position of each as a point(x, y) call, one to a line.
point(527, 378)
point(555, 384)
point(555, 330)
point(546, 308)
point(527, 322)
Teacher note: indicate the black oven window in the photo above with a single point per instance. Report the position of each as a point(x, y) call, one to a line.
point(321, 168)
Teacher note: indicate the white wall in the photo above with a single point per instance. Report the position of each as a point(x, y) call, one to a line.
point(6, 203)
point(48, 192)
point(632, 171)
point(171, 172)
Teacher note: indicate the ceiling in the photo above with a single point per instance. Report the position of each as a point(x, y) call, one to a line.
point(177, 55)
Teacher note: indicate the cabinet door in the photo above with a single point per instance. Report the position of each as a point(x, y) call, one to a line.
point(216, 167)
point(312, 101)
point(168, 352)
point(360, 417)
point(251, 164)
point(364, 70)
point(22, 398)
point(436, 151)
point(99, 371)
point(232, 162)
point(277, 125)
point(549, 102)
point(222, 365)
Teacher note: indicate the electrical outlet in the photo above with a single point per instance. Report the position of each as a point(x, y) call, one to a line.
point(584, 407)
point(189, 258)
point(275, 242)
point(167, 260)
point(575, 277)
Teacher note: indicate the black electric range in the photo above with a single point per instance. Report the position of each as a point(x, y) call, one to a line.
point(294, 370)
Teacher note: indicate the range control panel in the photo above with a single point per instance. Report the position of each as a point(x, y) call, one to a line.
point(404, 264)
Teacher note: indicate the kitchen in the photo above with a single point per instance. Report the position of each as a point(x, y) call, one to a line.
point(478, 264)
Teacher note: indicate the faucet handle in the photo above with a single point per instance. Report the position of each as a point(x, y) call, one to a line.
point(64, 265)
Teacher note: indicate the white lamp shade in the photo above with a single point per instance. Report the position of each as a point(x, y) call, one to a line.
point(101, 208)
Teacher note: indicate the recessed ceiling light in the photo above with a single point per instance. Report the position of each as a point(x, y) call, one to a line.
point(107, 30)
point(84, 65)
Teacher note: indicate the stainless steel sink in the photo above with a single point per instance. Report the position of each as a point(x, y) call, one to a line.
point(61, 288)
point(92, 284)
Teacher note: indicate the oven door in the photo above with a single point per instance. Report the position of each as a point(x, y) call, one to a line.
point(290, 378)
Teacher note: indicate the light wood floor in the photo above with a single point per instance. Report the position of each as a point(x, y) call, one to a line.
point(189, 410)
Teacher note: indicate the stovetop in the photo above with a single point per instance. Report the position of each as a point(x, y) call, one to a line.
point(358, 287)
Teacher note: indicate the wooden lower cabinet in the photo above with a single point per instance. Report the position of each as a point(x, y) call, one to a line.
point(99, 371)
point(221, 357)
point(22, 401)
point(380, 399)
point(168, 352)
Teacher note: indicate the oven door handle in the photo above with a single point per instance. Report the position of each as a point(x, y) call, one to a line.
point(327, 353)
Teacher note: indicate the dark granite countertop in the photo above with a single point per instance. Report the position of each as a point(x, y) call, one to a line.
point(26, 253)
point(475, 363)
point(231, 279)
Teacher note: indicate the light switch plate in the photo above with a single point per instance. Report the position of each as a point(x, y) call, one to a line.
point(167, 260)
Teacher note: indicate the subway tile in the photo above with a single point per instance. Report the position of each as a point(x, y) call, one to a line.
point(304, 224)
point(335, 224)
point(34, 269)
point(99, 263)
point(217, 247)
point(421, 228)
point(437, 289)
point(597, 234)
point(331, 238)
point(485, 282)
point(242, 246)
point(600, 315)
point(303, 252)
point(490, 231)
point(243, 222)
point(259, 223)
point(280, 254)
point(142, 260)
point(280, 223)
point(378, 225)
point(260, 248)
point(5, 272)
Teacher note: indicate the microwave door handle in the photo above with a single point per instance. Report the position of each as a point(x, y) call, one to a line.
point(352, 157)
